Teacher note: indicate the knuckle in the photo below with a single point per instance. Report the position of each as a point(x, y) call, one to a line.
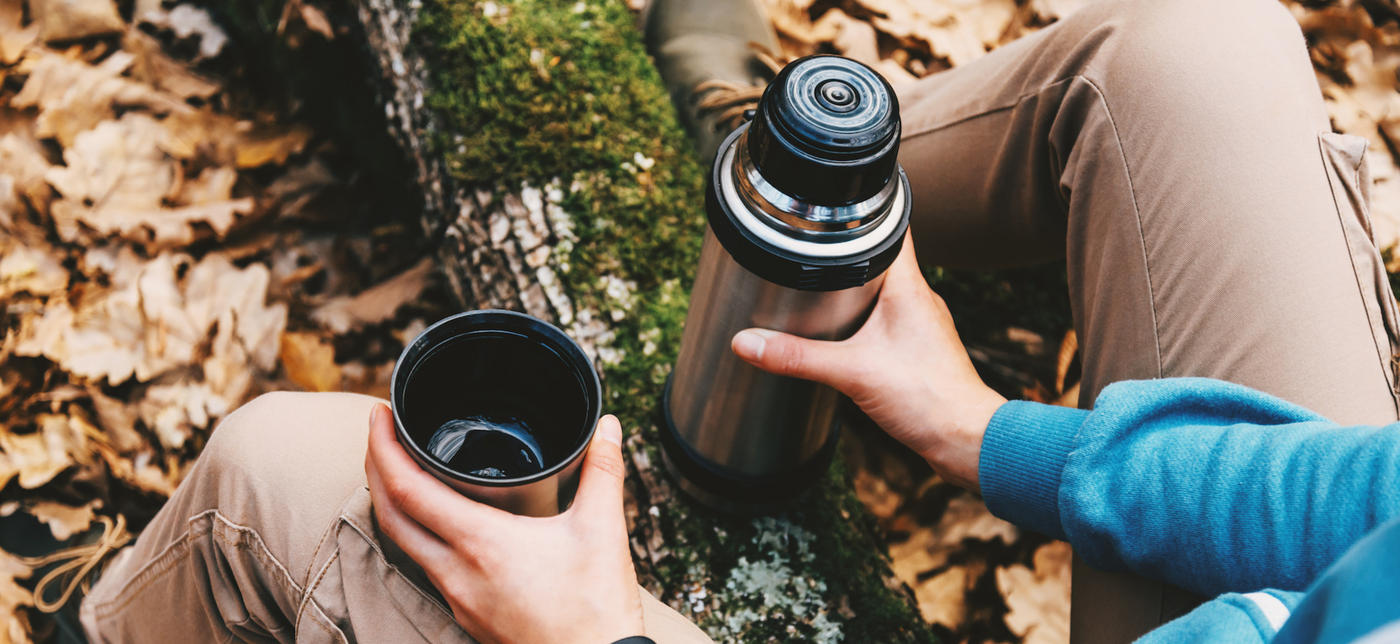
point(398, 491)
point(610, 464)
point(791, 359)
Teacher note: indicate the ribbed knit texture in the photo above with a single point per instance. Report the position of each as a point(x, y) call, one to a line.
point(1023, 455)
point(1218, 489)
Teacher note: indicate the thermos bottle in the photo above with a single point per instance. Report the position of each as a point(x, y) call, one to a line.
point(807, 208)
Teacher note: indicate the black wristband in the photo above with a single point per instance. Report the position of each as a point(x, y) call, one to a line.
point(639, 639)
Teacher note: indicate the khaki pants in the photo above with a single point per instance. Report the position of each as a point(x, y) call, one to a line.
point(1176, 152)
point(1178, 155)
point(271, 539)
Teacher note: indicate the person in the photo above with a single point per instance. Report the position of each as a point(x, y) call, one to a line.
point(1177, 154)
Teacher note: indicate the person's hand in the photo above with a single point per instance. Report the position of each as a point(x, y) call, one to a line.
point(511, 579)
point(906, 369)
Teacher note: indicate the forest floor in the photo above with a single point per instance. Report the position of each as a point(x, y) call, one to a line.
point(176, 238)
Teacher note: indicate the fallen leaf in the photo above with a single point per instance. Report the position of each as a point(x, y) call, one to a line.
point(74, 96)
point(14, 628)
point(271, 146)
point(36, 458)
point(215, 286)
point(174, 411)
point(14, 37)
point(316, 20)
point(31, 269)
point(376, 304)
point(857, 40)
point(118, 420)
point(943, 599)
point(116, 166)
point(1039, 600)
point(187, 20)
point(64, 520)
point(65, 20)
point(153, 66)
point(309, 362)
point(213, 185)
point(22, 161)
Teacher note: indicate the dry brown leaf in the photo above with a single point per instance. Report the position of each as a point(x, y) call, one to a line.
point(186, 20)
point(153, 66)
point(216, 286)
point(203, 132)
point(1039, 599)
point(64, 520)
point(36, 458)
point(857, 40)
point(116, 166)
point(14, 37)
point(213, 185)
point(14, 628)
point(310, 362)
point(174, 411)
point(23, 163)
point(273, 145)
point(138, 472)
point(316, 20)
point(300, 184)
point(1056, 9)
point(943, 599)
point(118, 420)
point(65, 20)
point(376, 304)
point(73, 96)
point(31, 269)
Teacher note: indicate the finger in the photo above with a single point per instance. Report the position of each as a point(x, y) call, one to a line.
point(905, 272)
point(600, 482)
point(420, 544)
point(788, 355)
point(417, 493)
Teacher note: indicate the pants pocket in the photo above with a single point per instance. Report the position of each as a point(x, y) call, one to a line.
point(1344, 156)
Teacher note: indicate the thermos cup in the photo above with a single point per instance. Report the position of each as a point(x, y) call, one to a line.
point(500, 406)
point(807, 208)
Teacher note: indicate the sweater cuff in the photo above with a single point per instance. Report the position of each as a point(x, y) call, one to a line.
point(1023, 456)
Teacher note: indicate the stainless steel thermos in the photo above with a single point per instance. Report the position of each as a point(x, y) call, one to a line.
point(807, 208)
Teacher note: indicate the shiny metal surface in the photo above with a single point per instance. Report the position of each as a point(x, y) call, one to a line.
point(543, 498)
point(741, 418)
point(806, 220)
point(826, 245)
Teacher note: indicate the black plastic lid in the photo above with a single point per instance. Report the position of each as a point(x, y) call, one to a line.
point(826, 131)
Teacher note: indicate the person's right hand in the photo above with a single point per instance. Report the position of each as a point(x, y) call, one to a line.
point(906, 368)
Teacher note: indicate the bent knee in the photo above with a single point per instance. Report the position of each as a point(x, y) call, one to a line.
point(289, 436)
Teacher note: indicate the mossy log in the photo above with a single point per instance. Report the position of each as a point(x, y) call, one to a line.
point(556, 180)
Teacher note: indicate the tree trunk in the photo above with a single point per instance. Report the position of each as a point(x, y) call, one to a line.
point(819, 572)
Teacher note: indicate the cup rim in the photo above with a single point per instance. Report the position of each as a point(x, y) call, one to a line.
point(494, 320)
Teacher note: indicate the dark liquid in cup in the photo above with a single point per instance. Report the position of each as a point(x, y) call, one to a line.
point(496, 405)
point(498, 446)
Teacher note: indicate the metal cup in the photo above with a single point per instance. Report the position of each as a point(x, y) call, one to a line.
point(499, 364)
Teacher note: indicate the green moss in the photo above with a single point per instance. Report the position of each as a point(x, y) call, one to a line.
point(545, 89)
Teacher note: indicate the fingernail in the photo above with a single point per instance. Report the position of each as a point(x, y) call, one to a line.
point(610, 431)
point(374, 414)
point(748, 345)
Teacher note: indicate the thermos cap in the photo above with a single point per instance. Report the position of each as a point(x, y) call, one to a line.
point(826, 132)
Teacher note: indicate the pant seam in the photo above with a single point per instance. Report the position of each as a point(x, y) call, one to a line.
point(1137, 214)
point(317, 551)
point(166, 560)
point(380, 553)
point(310, 589)
point(1356, 271)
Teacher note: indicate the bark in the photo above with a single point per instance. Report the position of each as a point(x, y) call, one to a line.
point(498, 252)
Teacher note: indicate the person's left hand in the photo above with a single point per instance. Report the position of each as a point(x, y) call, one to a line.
point(511, 579)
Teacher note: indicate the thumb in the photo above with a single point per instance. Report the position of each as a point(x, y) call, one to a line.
point(600, 484)
point(788, 355)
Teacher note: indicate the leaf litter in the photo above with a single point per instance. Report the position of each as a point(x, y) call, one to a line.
point(173, 241)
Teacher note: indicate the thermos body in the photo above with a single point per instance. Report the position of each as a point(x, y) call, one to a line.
point(727, 410)
point(806, 207)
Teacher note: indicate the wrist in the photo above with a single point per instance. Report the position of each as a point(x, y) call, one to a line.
point(956, 454)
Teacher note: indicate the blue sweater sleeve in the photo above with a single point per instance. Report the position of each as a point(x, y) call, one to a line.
point(1210, 486)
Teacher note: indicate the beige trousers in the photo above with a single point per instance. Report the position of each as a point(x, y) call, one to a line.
point(1177, 153)
point(271, 539)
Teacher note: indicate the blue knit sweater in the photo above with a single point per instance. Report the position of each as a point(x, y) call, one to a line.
point(1291, 520)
